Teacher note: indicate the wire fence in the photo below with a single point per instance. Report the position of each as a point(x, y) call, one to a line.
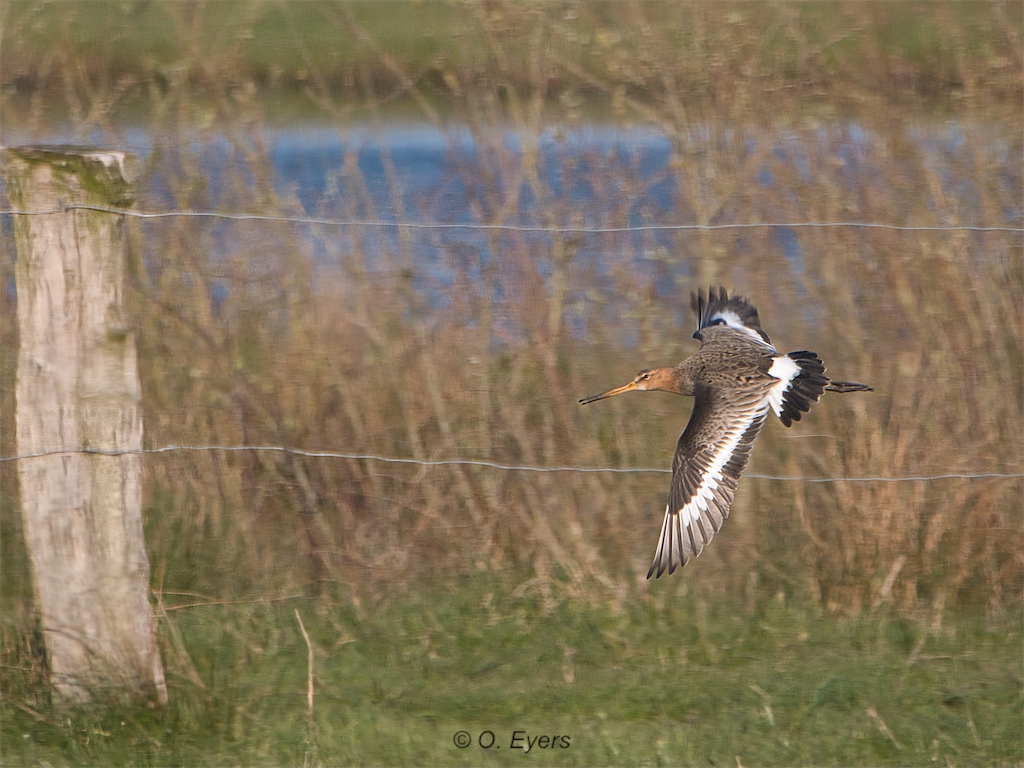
point(497, 465)
point(509, 227)
point(325, 454)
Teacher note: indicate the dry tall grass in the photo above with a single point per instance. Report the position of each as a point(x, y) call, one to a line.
point(776, 114)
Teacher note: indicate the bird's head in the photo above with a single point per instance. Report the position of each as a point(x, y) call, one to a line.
point(650, 378)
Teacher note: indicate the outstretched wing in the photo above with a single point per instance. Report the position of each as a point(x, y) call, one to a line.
point(710, 457)
point(734, 311)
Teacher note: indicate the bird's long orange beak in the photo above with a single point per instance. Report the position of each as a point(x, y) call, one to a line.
point(617, 391)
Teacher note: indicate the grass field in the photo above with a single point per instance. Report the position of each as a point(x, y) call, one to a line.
point(602, 58)
point(675, 679)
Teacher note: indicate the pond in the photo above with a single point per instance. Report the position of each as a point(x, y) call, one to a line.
point(441, 204)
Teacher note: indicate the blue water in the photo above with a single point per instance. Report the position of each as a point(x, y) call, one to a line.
point(590, 177)
point(419, 174)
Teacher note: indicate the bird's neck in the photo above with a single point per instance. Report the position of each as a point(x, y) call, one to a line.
point(682, 379)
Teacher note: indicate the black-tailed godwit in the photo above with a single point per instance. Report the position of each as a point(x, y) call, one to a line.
point(735, 378)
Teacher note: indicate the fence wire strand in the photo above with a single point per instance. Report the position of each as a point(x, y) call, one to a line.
point(361, 223)
point(496, 464)
point(508, 228)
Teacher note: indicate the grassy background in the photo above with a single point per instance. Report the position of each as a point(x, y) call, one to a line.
point(624, 60)
point(832, 623)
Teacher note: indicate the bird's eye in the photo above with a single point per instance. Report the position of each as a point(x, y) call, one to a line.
point(719, 321)
point(645, 376)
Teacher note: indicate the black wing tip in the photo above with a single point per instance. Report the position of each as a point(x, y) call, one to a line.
point(659, 568)
point(671, 553)
point(707, 305)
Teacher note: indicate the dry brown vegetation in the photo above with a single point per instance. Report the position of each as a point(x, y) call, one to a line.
point(346, 352)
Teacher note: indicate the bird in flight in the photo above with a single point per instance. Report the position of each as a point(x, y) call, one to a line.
point(735, 378)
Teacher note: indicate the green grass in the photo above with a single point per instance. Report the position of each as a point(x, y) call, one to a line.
point(342, 46)
point(672, 681)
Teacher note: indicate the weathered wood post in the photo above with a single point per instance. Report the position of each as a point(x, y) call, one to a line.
point(78, 390)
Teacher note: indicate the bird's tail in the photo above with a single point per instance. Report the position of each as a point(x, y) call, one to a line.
point(802, 382)
point(847, 386)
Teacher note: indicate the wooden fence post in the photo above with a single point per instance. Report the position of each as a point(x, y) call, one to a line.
point(78, 389)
